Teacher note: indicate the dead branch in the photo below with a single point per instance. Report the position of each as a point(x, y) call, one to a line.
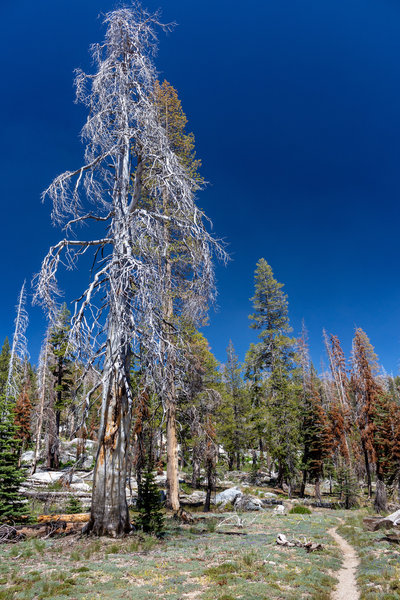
point(310, 546)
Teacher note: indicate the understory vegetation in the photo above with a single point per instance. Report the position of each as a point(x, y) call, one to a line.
point(155, 468)
point(189, 562)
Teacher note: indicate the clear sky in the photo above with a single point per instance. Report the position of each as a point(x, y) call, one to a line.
point(295, 105)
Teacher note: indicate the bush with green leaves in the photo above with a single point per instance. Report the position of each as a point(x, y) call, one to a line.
point(347, 487)
point(73, 506)
point(300, 509)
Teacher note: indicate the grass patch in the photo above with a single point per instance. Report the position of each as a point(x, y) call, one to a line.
point(379, 571)
point(300, 509)
point(212, 563)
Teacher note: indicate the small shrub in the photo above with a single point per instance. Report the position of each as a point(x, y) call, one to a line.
point(56, 486)
point(148, 544)
point(249, 558)
point(80, 570)
point(150, 518)
point(211, 525)
point(39, 545)
point(134, 546)
point(73, 506)
point(222, 569)
point(186, 488)
point(300, 509)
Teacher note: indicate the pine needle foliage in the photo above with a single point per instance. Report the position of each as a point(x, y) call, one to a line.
point(12, 504)
point(150, 518)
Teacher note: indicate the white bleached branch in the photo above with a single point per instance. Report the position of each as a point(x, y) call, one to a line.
point(19, 349)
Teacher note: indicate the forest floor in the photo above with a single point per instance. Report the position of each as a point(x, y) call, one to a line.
point(205, 561)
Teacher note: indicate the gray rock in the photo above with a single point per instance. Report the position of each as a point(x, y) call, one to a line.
point(161, 479)
point(193, 499)
point(280, 510)
point(80, 487)
point(229, 495)
point(246, 503)
point(45, 477)
point(27, 457)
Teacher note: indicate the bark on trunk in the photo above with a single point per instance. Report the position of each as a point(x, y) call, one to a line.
point(303, 484)
point(380, 502)
point(53, 443)
point(367, 469)
point(39, 426)
point(318, 490)
point(196, 468)
point(279, 479)
point(238, 461)
point(210, 483)
point(254, 459)
point(109, 512)
point(172, 501)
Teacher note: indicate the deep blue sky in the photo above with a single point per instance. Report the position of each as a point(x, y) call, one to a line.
point(295, 105)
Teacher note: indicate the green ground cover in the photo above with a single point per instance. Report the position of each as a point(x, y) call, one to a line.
point(204, 561)
point(200, 561)
point(379, 571)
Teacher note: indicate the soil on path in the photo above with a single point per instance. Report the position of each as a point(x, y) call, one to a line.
point(346, 589)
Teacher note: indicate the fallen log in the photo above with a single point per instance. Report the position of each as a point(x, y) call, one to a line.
point(183, 516)
point(375, 523)
point(394, 538)
point(44, 495)
point(11, 534)
point(310, 546)
point(73, 518)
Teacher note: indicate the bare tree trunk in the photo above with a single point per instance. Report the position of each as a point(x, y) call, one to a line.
point(303, 484)
point(38, 432)
point(170, 396)
point(210, 469)
point(231, 458)
point(380, 502)
point(109, 513)
point(367, 469)
point(53, 442)
point(172, 456)
point(318, 490)
point(279, 479)
point(196, 460)
point(254, 459)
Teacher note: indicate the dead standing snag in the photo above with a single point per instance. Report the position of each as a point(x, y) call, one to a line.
point(121, 310)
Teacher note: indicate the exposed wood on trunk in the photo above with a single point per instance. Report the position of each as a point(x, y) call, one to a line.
point(109, 513)
point(42, 390)
point(172, 457)
point(380, 502)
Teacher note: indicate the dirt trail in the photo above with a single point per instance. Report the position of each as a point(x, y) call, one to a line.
point(346, 589)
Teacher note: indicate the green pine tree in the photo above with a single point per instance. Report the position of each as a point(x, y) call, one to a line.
point(12, 504)
point(150, 518)
point(4, 362)
point(275, 358)
point(234, 413)
point(61, 362)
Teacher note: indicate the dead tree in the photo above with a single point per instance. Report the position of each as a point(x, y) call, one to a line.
point(43, 376)
point(120, 313)
point(19, 351)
